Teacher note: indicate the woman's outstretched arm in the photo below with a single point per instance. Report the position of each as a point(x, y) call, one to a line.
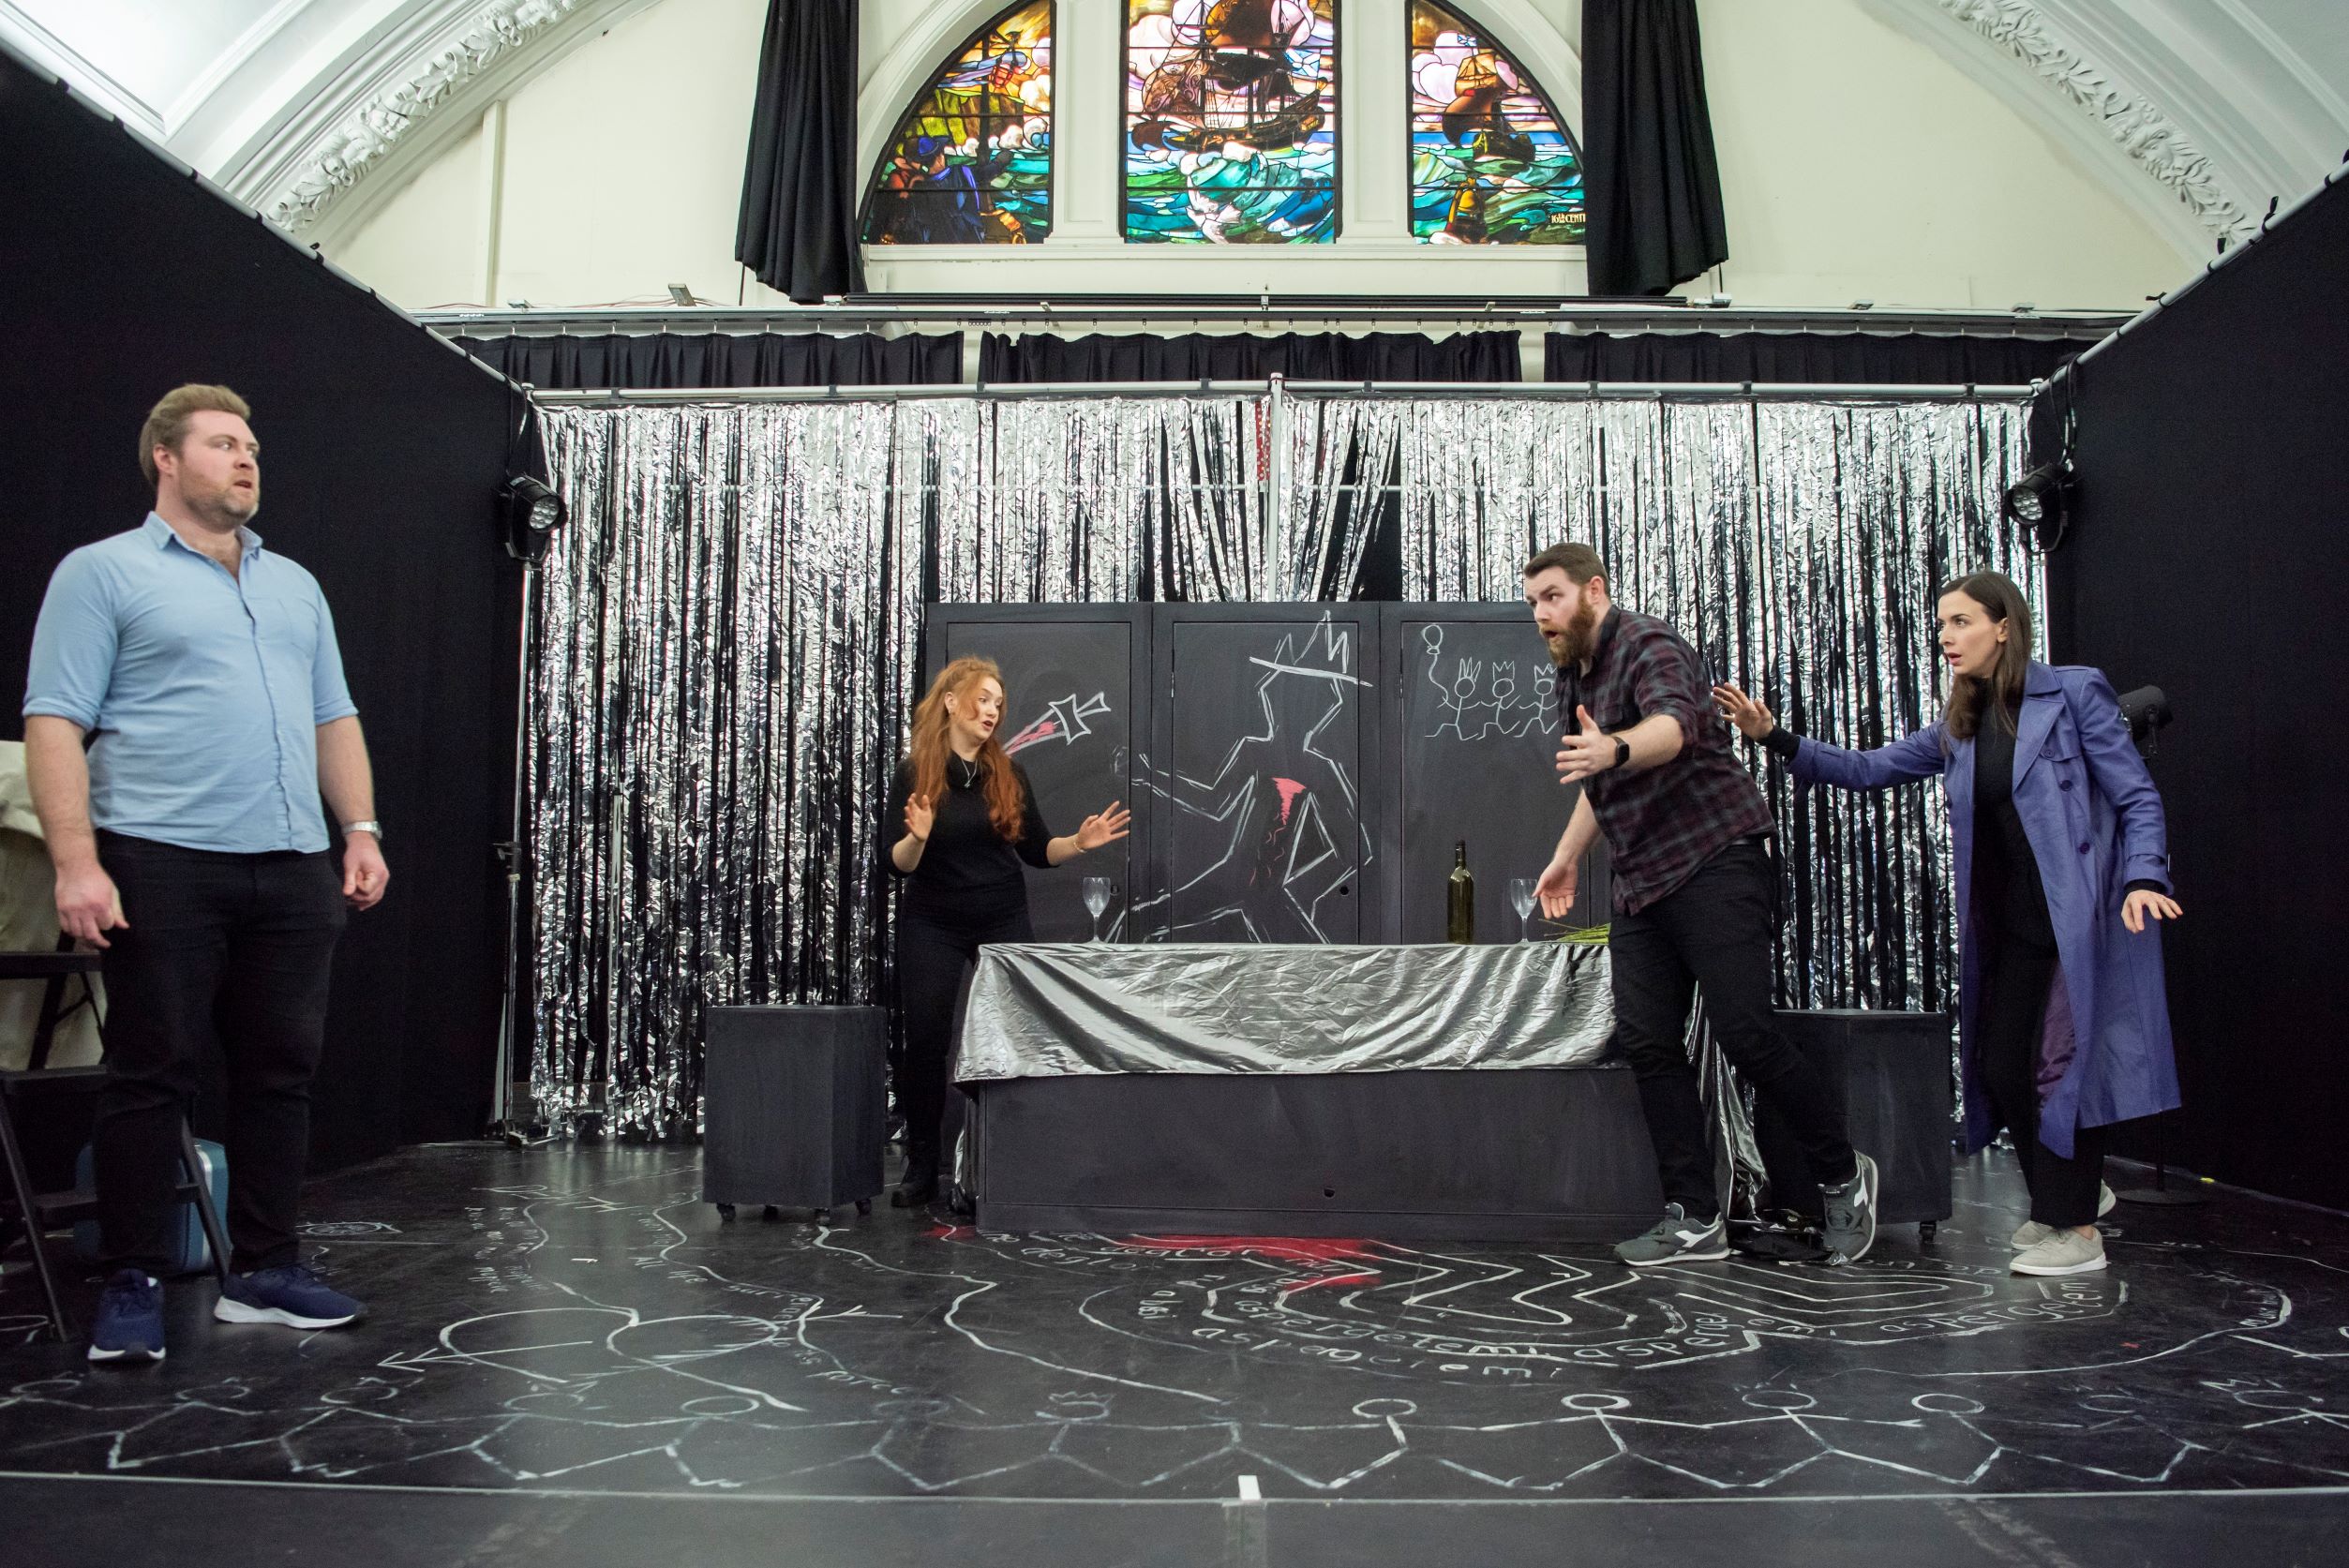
point(1917, 755)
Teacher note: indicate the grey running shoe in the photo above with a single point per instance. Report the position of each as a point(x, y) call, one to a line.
point(2033, 1232)
point(1850, 1215)
point(1677, 1239)
point(2064, 1252)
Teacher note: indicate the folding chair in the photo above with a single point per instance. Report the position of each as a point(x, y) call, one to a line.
point(41, 1211)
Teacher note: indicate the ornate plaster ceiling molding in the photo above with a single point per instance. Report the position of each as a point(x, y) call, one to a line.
point(340, 155)
point(2128, 117)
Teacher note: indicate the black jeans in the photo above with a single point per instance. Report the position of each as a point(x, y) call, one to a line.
point(935, 949)
point(1713, 931)
point(228, 948)
point(2016, 977)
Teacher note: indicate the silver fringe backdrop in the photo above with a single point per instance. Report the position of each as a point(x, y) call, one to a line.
point(1801, 547)
point(724, 641)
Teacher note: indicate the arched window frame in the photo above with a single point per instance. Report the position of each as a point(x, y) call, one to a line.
point(1532, 85)
point(1333, 89)
point(883, 163)
point(1374, 255)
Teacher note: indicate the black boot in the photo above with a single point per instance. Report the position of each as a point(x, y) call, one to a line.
point(919, 1183)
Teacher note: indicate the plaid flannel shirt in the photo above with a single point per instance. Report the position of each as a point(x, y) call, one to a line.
point(1661, 822)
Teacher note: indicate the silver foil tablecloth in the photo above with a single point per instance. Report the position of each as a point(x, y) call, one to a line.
point(1041, 1010)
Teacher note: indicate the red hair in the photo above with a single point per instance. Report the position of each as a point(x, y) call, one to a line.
point(930, 751)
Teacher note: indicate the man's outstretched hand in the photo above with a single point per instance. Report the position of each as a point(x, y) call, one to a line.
point(1588, 751)
point(1556, 889)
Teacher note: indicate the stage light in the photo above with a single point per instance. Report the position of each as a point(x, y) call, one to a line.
point(532, 513)
point(2145, 711)
point(2041, 501)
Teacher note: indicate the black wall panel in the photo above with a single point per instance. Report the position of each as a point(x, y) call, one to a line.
point(2206, 557)
point(121, 278)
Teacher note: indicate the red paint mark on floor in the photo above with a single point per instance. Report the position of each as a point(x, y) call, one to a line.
point(1293, 1249)
point(1290, 789)
point(952, 1233)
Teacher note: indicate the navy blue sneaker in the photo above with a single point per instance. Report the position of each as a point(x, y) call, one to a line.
point(291, 1295)
point(129, 1324)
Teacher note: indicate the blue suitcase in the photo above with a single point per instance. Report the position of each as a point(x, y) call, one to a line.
point(190, 1253)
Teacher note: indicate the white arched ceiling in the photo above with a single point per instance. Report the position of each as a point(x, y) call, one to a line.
point(2196, 112)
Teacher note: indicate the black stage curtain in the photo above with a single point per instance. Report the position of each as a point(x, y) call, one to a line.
point(2205, 558)
point(797, 231)
point(1325, 356)
point(382, 449)
point(722, 359)
point(1863, 358)
point(1654, 216)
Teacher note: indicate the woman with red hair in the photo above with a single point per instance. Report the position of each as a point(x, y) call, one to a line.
point(962, 818)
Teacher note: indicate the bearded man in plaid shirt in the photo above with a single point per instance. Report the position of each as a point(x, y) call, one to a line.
point(1695, 896)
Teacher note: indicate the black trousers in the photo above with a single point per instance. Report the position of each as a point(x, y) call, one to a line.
point(226, 951)
point(934, 951)
point(2016, 977)
point(1713, 931)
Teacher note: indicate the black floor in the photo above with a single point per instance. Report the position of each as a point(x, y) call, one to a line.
point(568, 1352)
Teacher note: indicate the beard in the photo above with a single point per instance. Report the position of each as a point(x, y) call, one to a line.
point(1574, 645)
point(227, 507)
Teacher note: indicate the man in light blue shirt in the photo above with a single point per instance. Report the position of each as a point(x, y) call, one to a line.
point(185, 709)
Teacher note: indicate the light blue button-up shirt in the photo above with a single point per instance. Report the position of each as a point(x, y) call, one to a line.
point(204, 691)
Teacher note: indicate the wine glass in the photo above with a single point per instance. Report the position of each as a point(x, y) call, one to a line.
point(1522, 899)
point(1095, 900)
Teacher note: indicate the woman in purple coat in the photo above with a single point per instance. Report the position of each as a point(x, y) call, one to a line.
point(2061, 861)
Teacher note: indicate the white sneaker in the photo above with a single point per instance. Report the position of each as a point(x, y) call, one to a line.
point(2033, 1232)
point(2064, 1252)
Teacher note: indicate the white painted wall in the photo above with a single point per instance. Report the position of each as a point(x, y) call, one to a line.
point(1856, 163)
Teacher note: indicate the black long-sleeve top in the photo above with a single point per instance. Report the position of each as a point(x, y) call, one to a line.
point(967, 869)
point(2007, 885)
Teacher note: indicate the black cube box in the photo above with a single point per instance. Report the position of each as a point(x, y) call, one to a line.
point(792, 1105)
point(1891, 1072)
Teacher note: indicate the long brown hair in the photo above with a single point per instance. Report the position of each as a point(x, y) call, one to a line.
point(930, 751)
point(1995, 592)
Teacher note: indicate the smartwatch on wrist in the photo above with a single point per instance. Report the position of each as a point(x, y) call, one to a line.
point(1623, 752)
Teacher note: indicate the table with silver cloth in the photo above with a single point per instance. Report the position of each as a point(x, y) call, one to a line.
point(1244, 1089)
point(1048, 1010)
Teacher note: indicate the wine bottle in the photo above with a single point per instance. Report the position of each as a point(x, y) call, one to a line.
point(1459, 899)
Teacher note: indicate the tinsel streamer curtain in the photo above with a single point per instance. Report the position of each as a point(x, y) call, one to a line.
point(722, 663)
point(725, 643)
point(718, 681)
point(1799, 546)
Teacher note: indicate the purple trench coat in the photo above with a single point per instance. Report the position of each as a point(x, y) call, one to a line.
point(2095, 824)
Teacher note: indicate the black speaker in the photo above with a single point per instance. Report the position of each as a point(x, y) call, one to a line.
point(792, 1105)
point(1891, 1071)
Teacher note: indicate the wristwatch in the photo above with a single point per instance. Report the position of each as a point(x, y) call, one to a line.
point(1623, 752)
point(370, 826)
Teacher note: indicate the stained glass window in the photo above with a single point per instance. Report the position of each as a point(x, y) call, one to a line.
point(1232, 121)
point(971, 162)
point(1490, 161)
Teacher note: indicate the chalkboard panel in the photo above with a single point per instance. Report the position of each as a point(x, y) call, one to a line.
point(1260, 775)
point(1298, 772)
point(1071, 677)
point(1472, 742)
